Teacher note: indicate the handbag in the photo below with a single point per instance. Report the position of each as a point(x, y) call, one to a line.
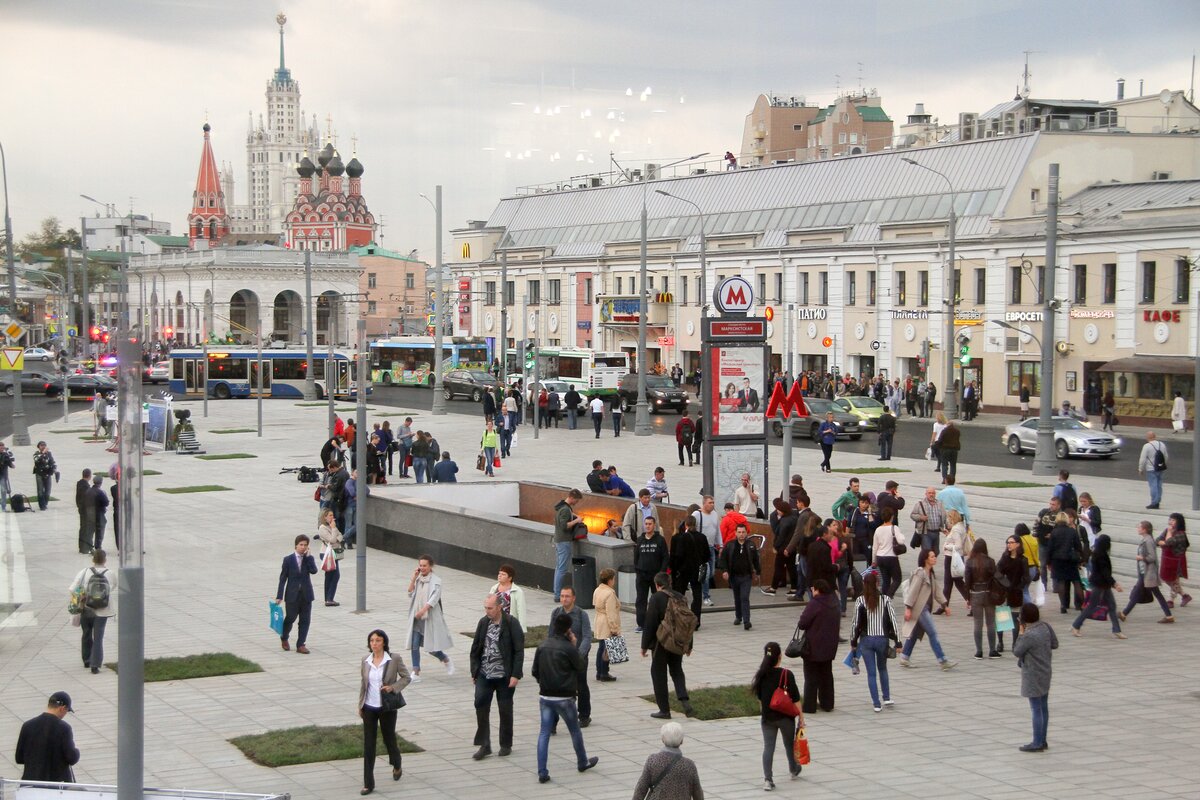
point(1004, 619)
point(392, 701)
point(898, 547)
point(615, 649)
point(781, 701)
point(915, 541)
point(1037, 593)
point(800, 747)
point(276, 618)
point(317, 494)
point(328, 561)
point(958, 567)
point(480, 462)
point(799, 646)
point(928, 453)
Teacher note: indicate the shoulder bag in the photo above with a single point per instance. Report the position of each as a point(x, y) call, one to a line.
point(799, 646)
point(392, 701)
point(898, 545)
point(781, 701)
point(654, 783)
point(615, 649)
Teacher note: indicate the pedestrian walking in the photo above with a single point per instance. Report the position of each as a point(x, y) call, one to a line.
point(7, 462)
point(1148, 580)
point(46, 744)
point(887, 433)
point(827, 436)
point(1023, 398)
point(979, 574)
point(426, 622)
point(688, 561)
point(875, 634)
point(512, 597)
point(1179, 413)
point(95, 504)
point(821, 619)
point(295, 592)
point(565, 522)
point(949, 444)
point(489, 443)
point(420, 455)
point(1152, 462)
point(930, 517)
point(935, 449)
point(571, 402)
point(698, 439)
point(558, 667)
point(1103, 583)
point(1034, 651)
point(650, 558)
point(956, 547)
point(45, 470)
point(685, 434)
point(775, 724)
point(740, 566)
point(1065, 554)
point(96, 586)
point(404, 443)
point(581, 637)
point(708, 522)
point(508, 424)
point(597, 408)
point(668, 774)
point(783, 527)
point(1173, 562)
point(81, 504)
point(1013, 575)
point(331, 538)
point(883, 550)
point(388, 438)
point(617, 413)
point(497, 664)
point(608, 621)
point(384, 678)
point(669, 634)
point(923, 593)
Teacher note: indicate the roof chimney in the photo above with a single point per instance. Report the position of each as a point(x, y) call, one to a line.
point(1120, 88)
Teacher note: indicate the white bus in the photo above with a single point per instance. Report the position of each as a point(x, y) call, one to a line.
point(591, 373)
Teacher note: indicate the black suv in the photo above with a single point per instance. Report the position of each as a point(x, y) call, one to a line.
point(470, 383)
point(661, 393)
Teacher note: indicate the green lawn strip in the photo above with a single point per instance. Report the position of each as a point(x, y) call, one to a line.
point(94, 438)
point(225, 456)
point(312, 405)
point(1006, 484)
point(718, 702)
point(352, 408)
point(103, 471)
point(234, 430)
point(189, 489)
point(534, 635)
point(872, 470)
point(311, 744)
point(73, 430)
point(205, 665)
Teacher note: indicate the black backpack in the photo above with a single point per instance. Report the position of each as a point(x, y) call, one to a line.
point(1067, 498)
point(687, 431)
point(97, 591)
point(1160, 460)
point(20, 503)
point(308, 475)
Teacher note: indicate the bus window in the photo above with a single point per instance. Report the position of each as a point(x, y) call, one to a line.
point(471, 354)
point(568, 367)
point(319, 368)
point(230, 369)
point(287, 369)
point(621, 361)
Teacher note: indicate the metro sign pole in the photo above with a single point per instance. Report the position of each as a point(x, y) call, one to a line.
point(788, 406)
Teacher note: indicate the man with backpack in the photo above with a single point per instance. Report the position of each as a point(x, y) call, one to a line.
point(668, 632)
point(685, 434)
point(93, 592)
point(1068, 498)
point(1153, 463)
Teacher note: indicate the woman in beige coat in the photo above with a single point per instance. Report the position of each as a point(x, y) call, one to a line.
point(923, 593)
point(382, 673)
point(330, 536)
point(608, 620)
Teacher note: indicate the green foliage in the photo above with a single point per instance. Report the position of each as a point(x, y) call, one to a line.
point(192, 489)
point(718, 702)
point(205, 665)
point(310, 744)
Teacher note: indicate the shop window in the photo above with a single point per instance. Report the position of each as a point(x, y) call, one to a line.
point(1185, 385)
point(1151, 386)
point(1025, 373)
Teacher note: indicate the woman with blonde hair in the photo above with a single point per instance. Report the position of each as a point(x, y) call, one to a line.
point(939, 425)
point(331, 537)
point(608, 620)
point(956, 543)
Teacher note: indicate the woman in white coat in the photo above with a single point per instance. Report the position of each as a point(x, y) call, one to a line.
point(1179, 413)
point(426, 623)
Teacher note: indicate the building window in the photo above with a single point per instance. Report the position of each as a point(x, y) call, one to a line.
point(824, 288)
point(1148, 270)
point(1024, 373)
point(778, 287)
point(533, 292)
point(1183, 280)
point(804, 289)
point(924, 288)
point(980, 286)
point(854, 138)
point(618, 285)
point(683, 298)
point(666, 285)
point(650, 283)
point(554, 292)
point(841, 138)
point(489, 293)
point(1041, 285)
point(371, 307)
point(1080, 284)
point(851, 288)
point(410, 281)
point(1110, 283)
point(797, 128)
point(957, 288)
point(1014, 296)
point(762, 286)
point(510, 293)
point(901, 287)
point(371, 280)
point(871, 287)
point(587, 290)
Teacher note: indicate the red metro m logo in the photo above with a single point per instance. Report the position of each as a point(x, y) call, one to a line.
point(791, 404)
point(734, 296)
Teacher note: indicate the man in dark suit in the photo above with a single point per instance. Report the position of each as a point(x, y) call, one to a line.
point(81, 490)
point(95, 504)
point(747, 397)
point(46, 744)
point(296, 593)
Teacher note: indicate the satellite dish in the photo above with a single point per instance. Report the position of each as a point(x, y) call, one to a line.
point(1165, 96)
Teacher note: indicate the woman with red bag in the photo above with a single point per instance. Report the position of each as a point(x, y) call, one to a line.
point(777, 692)
point(331, 537)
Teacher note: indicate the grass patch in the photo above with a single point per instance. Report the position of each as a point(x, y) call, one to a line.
point(310, 744)
point(225, 456)
point(73, 430)
point(234, 430)
point(312, 405)
point(181, 668)
point(1006, 484)
point(190, 489)
point(352, 408)
point(718, 702)
point(534, 634)
point(103, 471)
point(872, 470)
point(94, 438)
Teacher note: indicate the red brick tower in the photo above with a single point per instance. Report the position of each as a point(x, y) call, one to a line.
point(208, 220)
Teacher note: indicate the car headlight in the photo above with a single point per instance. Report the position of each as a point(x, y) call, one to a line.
point(1116, 442)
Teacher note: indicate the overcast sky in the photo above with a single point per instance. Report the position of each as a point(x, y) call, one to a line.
point(106, 97)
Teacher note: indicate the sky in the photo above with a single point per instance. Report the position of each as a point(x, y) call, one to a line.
point(107, 97)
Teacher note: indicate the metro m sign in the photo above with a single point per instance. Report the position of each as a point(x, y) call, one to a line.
point(791, 404)
point(734, 296)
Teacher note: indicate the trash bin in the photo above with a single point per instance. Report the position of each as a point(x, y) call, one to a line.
point(583, 579)
point(626, 585)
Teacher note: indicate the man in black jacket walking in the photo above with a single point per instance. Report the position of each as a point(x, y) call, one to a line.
point(46, 744)
point(664, 660)
point(557, 667)
point(649, 558)
point(81, 489)
point(740, 565)
point(96, 512)
point(497, 665)
point(689, 555)
point(887, 432)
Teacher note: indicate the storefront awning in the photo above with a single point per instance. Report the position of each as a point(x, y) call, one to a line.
point(1167, 365)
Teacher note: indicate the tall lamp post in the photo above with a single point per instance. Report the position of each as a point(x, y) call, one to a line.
point(20, 426)
point(439, 402)
point(949, 392)
point(1045, 459)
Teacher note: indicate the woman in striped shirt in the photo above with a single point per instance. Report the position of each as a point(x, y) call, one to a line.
point(874, 632)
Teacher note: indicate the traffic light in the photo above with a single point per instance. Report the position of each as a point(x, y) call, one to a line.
point(923, 359)
point(529, 354)
point(964, 350)
point(94, 333)
point(104, 337)
point(168, 332)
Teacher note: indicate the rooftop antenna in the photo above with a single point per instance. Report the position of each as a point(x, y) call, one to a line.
point(381, 227)
point(837, 82)
point(1192, 88)
point(1026, 75)
point(860, 78)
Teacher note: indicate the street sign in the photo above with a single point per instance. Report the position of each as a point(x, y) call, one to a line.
point(14, 331)
point(12, 358)
point(666, 341)
point(734, 295)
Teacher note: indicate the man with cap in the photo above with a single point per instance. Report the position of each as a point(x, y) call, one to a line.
point(46, 745)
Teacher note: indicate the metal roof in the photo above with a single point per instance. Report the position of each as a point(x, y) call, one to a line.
point(868, 189)
point(1112, 198)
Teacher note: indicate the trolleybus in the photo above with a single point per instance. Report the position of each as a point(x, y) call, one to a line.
point(233, 372)
point(408, 360)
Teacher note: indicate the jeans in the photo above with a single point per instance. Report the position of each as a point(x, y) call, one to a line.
point(602, 665)
point(684, 447)
point(562, 563)
point(645, 586)
point(889, 574)
point(1153, 478)
point(710, 571)
point(949, 462)
point(616, 420)
point(505, 442)
point(485, 688)
point(740, 584)
point(801, 575)
point(885, 446)
point(572, 419)
point(419, 464)
point(983, 613)
point(1040, 706)
point(349, 522)
point(597, 421)
point(1099, 597)
point(489, 461)
point(418, 641)
point(1139, 589)
point(843, 581)
point(771, 730)
point(43, 489)
point(385, 721)
point(827, 451)
point(5, 491)
point(331, 581)
point(661, 663)
point(873, 652)
point(92, 638)
point(552, 711)
point(1025, 595)
point(926, 622)
point(402, 453)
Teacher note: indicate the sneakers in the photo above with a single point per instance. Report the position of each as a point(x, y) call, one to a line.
point(1166, 620)
point(903, 661)
point(768, 592)
point(1076, 632)
point(768, 785)
point(889, 703)
point(948, 665)
point(878, 709)
point(737, 622)
point(708, 601)
point(993, 654)
point(979, 655)
point(414, 677)
point(1119, 635)
point(449, 666)
point(638, 629)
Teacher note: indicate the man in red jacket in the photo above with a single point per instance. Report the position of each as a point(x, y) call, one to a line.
point(685, 434)
point(729, 523)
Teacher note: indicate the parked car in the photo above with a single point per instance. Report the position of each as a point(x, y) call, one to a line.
point(866, 409)
point(31, 383)
point(661, 393)
point(38, 354)
point(82, 386)
point(159, 372)
point(470, 383)
point(1071, 438)
point(848, 424)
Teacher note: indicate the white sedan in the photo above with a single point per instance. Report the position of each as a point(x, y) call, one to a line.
point(38, 354)
point(1071, 438)
point(160, 372)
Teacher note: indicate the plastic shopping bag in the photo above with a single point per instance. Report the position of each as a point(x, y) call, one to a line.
point(276, 618)
point(1004, 620)
point(800, 747)
point(1037, 593)
point(958, 567)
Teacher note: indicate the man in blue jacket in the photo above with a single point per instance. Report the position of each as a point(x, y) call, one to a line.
point(296, 593)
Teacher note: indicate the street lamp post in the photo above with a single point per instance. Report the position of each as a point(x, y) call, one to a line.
point(1045, 460)
point(439, 402)
point(949, 392)
point(20, 427)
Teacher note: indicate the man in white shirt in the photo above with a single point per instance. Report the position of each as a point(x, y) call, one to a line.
point(597, 408)
point(745, 497)
point(708, 522)
point(658, 486)
point(1146, 466)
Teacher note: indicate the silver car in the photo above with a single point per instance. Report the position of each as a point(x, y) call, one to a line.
point(1071, 438)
